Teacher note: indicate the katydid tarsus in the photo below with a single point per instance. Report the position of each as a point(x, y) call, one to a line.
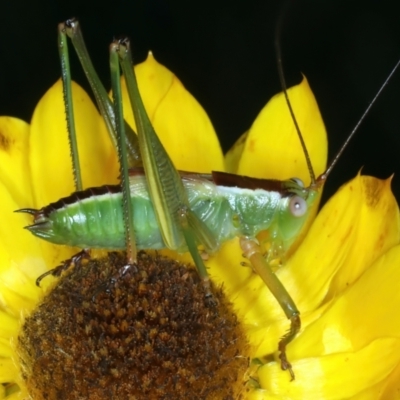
point(157, 207)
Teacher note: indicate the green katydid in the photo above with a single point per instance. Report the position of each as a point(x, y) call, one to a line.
point(163, 208)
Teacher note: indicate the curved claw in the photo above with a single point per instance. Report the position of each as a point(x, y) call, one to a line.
point(106, 286)
point(295, 325)
point(47, 273)
point(57, 271)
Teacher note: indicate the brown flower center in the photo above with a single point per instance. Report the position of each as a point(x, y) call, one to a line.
point(151, 335)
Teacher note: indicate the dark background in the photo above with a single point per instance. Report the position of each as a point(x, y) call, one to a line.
point(223, 52)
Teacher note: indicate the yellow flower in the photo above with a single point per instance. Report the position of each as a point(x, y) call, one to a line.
point(342, 276)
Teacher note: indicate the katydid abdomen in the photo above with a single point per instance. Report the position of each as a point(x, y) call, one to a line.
point(93, 218)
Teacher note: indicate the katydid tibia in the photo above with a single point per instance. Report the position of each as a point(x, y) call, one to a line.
point(158, 207)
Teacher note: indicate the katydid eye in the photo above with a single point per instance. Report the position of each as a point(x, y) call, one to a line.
point(298, 181)
point(297, 206)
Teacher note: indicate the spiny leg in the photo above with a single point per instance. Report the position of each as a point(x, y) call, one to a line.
point(131, 251)
point(76, 169)
point(122, 155)
point(69, 109)
point(164, 182)
point(253, 253)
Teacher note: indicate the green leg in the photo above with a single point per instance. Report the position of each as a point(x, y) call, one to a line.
point(69, 109)
point(123, 156)
point(72, 29)
point(253, 253)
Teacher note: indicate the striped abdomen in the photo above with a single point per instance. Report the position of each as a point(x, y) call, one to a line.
point(93, 218)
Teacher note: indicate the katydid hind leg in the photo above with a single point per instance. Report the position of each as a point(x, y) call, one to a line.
point(122, 155)
point(253, 253)
point(69, 110)
point(71, 28)
point(76, 169)
point(130, 240)
point(165, 186)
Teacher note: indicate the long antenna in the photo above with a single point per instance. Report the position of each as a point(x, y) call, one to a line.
point(355, 129)
point(284, 89)
point(323, 176)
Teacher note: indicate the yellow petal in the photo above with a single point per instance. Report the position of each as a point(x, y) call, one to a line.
point(8, 370)
point(154, 81)
point(363, 313)
point(14, 166)
point(49, 150)
point(350, 232)
point(260, 394)
point(377, 225)
point(335, 376)
point(233, 156)
point(5, 347)
point(9, 326)
point(390, 389)
point(15, 191)
point(272, 147)
point(22, 257)
point(180, 122)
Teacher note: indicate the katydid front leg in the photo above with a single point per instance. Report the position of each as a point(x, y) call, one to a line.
point(253, 253)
